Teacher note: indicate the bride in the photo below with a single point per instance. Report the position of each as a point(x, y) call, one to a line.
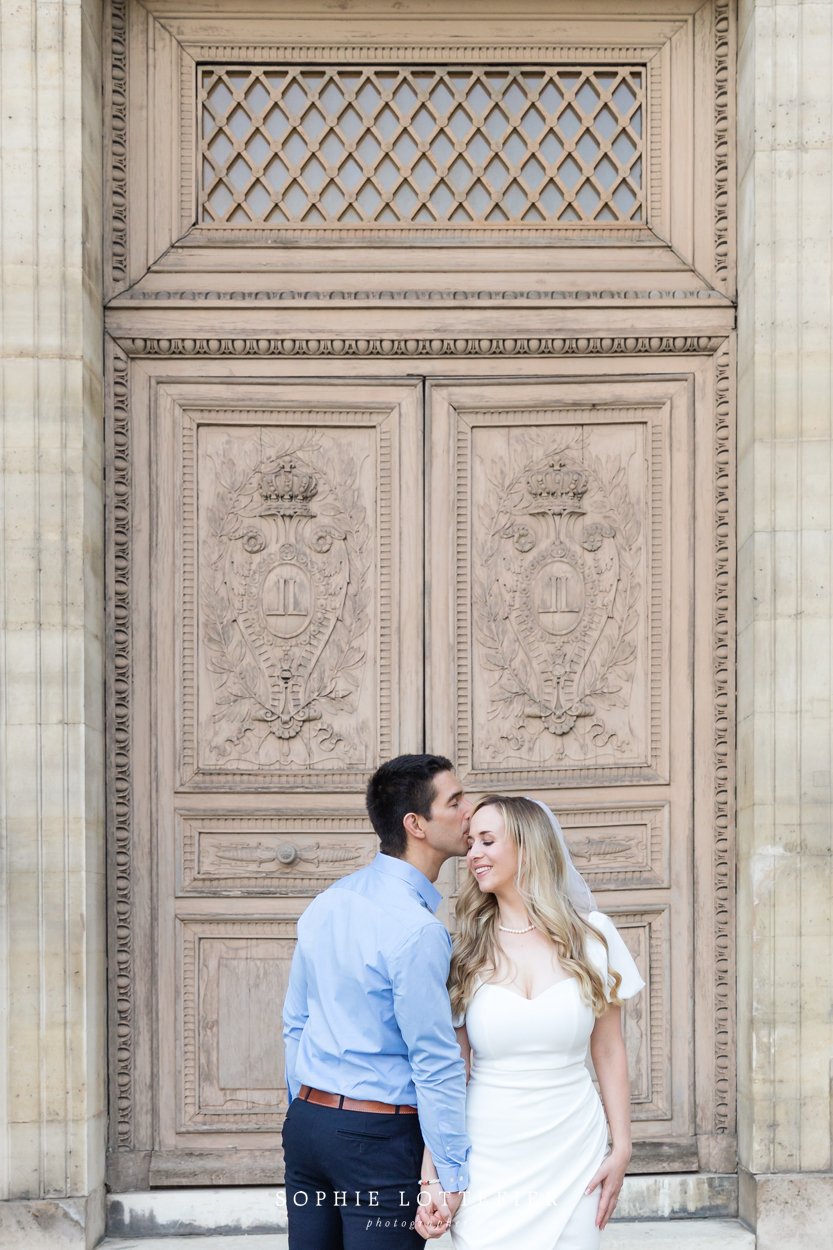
point(537, 975)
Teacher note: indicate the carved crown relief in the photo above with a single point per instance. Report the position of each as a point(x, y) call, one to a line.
point(284, 602)
point(559, 597)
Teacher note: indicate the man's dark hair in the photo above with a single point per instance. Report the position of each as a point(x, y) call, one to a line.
point(404, 784)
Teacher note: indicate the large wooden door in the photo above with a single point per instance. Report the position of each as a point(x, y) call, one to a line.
point(420, 342)
point(571, 674)
point(285, 582)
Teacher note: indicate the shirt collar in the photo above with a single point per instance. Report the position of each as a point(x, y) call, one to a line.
point(406, 872)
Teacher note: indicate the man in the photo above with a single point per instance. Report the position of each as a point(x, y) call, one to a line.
point(372, 1063)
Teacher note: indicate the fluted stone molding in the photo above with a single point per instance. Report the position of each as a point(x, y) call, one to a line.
point(52, 1046)
point(785, 583)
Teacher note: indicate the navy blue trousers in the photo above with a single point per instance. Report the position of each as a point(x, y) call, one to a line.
point(352, 1178)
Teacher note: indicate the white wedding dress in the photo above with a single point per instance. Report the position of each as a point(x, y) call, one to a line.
point(536, 1123)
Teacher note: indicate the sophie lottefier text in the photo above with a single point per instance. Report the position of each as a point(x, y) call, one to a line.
point(341, 1198)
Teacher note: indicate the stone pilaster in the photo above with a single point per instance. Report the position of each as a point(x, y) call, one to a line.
point(52, 1045)
point(785, 610)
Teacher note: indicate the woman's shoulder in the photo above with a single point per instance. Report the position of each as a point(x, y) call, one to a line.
point(617, 954)
point(598, 920)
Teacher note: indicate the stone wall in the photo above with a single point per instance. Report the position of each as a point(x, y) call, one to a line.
point(785, 606)
point(52, 947)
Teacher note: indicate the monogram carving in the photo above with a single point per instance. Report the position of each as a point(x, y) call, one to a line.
point(284, 602)
point(557, 602)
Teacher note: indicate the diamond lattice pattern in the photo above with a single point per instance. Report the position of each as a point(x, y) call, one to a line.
point(376, 147)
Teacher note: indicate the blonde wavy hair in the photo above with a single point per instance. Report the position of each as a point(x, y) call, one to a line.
point(541, 881)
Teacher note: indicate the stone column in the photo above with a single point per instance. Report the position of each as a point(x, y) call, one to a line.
point(52, 924)
point(785, 610)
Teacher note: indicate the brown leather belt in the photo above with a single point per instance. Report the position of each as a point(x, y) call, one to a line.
point(322, 1099)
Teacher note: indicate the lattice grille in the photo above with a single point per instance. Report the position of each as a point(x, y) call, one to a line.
point(376, 147)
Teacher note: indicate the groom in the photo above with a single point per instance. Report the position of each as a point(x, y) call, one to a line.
point(372, 1064)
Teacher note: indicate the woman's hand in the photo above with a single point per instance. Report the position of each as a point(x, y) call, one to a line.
point(610, 1175)
point(430, 1221)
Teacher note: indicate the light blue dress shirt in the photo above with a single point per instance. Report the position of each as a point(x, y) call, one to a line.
point(367, 1013)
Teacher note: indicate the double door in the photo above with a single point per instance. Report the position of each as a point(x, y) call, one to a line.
point(337, 564)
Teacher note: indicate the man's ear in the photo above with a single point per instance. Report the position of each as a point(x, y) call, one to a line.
point(412, 826)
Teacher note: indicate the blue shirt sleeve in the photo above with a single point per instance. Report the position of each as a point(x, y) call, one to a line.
point(419, 971)
point(295, 1015)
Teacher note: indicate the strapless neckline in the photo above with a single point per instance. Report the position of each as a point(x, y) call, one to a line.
point(492, 985)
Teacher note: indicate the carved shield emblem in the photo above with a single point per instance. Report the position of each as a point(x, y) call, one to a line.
point(284, 609)
point(556, 605)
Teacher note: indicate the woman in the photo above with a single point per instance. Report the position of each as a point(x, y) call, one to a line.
point(537, 974)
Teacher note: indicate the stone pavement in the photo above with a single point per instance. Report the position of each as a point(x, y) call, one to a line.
point(621, 1235)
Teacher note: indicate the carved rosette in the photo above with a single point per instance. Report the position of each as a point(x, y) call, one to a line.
point(284, 606)
point(556, 607)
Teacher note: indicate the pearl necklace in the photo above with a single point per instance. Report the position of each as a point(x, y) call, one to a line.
point(505, 929)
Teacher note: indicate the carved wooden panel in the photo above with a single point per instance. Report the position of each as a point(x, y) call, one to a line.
point(647, 1016)
point(277, 546)
point(285, 558)
point(296, 855)
point(559, 123)
point(620, 848)
point(567, 591)
point(563, 550)
point(232, 982)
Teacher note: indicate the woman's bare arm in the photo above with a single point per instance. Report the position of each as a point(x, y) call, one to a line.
point(607, 1048)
